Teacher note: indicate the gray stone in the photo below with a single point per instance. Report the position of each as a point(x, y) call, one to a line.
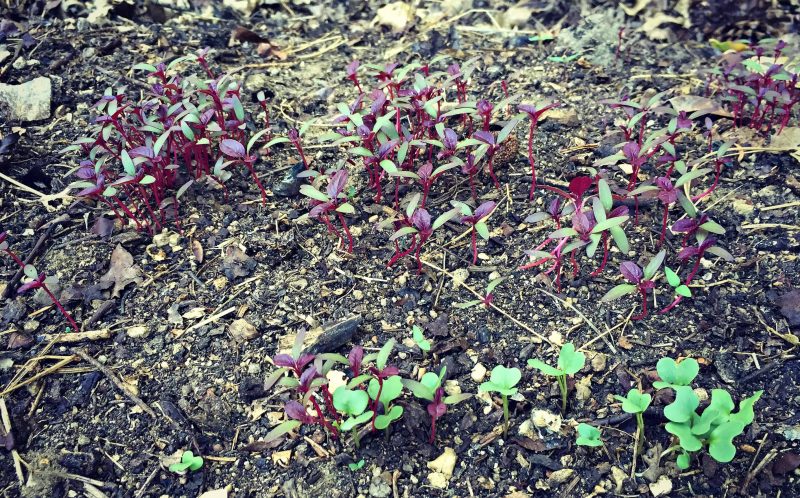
point(26, 102)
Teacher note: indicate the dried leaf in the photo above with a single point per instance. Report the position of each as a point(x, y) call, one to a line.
point(121, 272)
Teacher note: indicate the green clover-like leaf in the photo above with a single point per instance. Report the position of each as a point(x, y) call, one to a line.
point(503, 380)
point(745, 414)
point(683, 432)
point(390, 391)
point(588, 435)
point(356, 465)
point(188, 461)
point(635, 401)
point(675, 374)
point(569, 361)
point(350, 402)
point(720, 443)
point(686, 402)
point(383, 421)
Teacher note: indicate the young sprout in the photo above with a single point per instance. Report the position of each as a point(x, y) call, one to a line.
point(569, 362)
point(503, 381)
point(674, 374)
point(188, 462)
point(385, 392)
point(354, 466)
point(588, 435)
point(636, 403)
point(430, 389)
point(353, 404)
point(486, 300)
point(715, 428)
point(419, 339)
point(641, 281)
point(477, 222)
point(681, 290)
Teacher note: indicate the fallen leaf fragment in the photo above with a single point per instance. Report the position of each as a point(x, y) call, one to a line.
point(121, 272)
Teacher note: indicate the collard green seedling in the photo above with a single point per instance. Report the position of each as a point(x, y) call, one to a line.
point(636, 403)
point(419, 339)
point(569, 363)
point(430, 389)
point(385, 392)
point(715, 427)
point(588, 435)
point(504, 382)
point(352, 404)
point(674, 374)
point(189, 462)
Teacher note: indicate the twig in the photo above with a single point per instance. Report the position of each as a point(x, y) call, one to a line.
point(7, 427)
point(38, 376)
point(780, 206)
point(142, 490)
point(89, 335)
point(766, 226)
point(210, 319)
point(116, 381)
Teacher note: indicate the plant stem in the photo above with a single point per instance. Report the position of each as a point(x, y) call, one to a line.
point(505, 416)
point(562, 383)
point(640, 429)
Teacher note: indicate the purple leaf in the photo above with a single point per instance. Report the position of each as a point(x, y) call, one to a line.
point(351, 68)
point(684, 225)
point(631, 151)
point(355, 357)
point(484, 107)
point(450, 139)
point(298, 412)
point(232, 148)
point(687, 252)
point(425, 171)
point(422, 220)
point(337, 183)
point(579, 185)
point(484, 136)
point(484, 209)
point(631, 272)
point(307, 376)
point(304, 360)
point(283, 360)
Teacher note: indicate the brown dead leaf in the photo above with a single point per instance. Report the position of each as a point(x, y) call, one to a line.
point(790, 306)
point(121, 272)
point(624, 342)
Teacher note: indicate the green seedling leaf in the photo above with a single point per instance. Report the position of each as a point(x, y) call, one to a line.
point(654, 264)
point(353, 466)
point(720, 443)
point(355, 421)
point(604, 193)
point(420, 340)
point(350, 402)
point(544, 367)
point(745, 414)
point(503, 381)
point(635, 401)
point(686, 402)
point(383, 421)
point(588, 435)
point(188, 462)
point(672, 278)
point(684, 291)
point(569, 361)
point(683, 461)
point(456, 398)
point(383, 354)
point(683, 432)
point(675, 374)
point(617, 292)
point(392, 387)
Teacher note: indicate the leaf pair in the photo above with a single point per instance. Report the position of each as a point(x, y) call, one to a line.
point(569, 362)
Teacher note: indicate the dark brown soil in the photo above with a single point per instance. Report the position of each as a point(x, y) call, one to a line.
point(205, 386)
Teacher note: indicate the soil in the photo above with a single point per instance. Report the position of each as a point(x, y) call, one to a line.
point(167, 334)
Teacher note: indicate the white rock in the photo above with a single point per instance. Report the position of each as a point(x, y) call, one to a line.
point(478, 372)
point(242, 330)
point(662, 487)
point(28, 101)
point(559, 477)
point(444, 463)
point(396, 15)
point(437, 480)
point(138, 332)
point(546, 420)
